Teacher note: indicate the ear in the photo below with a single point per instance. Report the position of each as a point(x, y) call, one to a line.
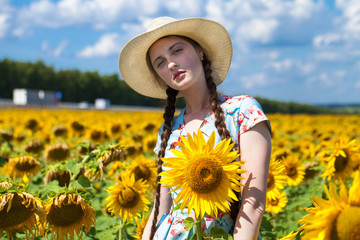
point(200, 52)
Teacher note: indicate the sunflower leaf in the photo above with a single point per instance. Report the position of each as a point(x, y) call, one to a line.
point(84, 181)
point(177, 207)
point(189, 223)
point(219, 233)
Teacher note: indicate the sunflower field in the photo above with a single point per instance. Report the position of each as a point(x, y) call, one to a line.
point(90, 174)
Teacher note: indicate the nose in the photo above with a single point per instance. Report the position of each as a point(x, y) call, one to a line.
point(172, 65)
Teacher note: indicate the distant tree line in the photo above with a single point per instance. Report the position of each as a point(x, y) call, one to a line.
point(77, 86)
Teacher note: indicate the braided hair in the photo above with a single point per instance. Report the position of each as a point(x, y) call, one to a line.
point(168, 117)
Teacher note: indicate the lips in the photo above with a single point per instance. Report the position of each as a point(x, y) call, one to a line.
point(178, 75)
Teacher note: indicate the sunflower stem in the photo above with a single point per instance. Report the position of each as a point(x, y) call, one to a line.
point(198, 230)
point(120, 229)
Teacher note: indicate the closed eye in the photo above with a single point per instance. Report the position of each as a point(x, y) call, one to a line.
point(177, 50)
point(160, 63)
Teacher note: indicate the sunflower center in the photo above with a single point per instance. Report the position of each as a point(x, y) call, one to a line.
point(348, 224)
point(341, 162)
point(291, 171)
point(270, 181)
point(17, 214)
point(151, 144)
point(128, 197)
point(142, 172)
point(204, 175)
point(274, 202)
point(25, 166)
point(66, 215)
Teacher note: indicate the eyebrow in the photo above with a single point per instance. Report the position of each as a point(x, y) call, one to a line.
point(170, 48)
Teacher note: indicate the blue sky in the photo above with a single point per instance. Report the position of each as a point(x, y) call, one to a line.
point(290, 50)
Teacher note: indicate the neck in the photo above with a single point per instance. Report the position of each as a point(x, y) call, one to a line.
point(197, 99)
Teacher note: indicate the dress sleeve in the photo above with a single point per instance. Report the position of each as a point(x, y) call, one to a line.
point(250, 114)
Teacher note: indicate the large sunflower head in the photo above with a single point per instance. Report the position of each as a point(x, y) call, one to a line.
point(206, 174)
point(19, 211)
point(62, 176)
point(6, 135)
point(57, 152)
point(294, 169)
point(128, 197)
point(140, 226)
point(23, 165)
point(144, 168)
point(276, 178)
point(149, 143)
point(336, 218)
point(34, 146)
point(60, 131)
point(276, 204)
point(343, 160)
point(67, 214)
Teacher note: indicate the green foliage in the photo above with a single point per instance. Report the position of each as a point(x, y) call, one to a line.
point(79, 86)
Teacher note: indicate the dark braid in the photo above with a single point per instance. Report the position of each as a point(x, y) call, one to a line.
point(168, 117)
point(219, 120)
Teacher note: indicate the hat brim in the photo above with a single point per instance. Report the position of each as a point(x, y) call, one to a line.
point(212, 37)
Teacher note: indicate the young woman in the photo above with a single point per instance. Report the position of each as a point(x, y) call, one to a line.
point(189, 58)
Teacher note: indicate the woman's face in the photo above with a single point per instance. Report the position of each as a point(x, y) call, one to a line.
point(177, 62)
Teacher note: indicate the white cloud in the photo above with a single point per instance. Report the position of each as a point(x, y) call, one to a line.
point(4, 25)
point(251, 81)
point(57, 51)
point(107, 45)
point(328, 39)
point(307, 68)
point(357, 84)
point(258, 30)
point(5, 17)
point(302, 9)
point(351, 15)
point(281, 65)
point(328, 79)
point(189, 8)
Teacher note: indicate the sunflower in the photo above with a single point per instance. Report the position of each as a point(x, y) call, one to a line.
point(23, 165)
point(6, 135)
point(343, 160)
point(276, 204)
point(149, 143)
point(34, 146)
point(113, 153)
point(276, 178)
point(140, 226)
point(335, 218)
point(67, 213)
point(128, 198)
point(57, 152)
point(115, 169)
point(206, 175)
point(20, 211)
point(62, 176)
point(290, 236)
point(60, 131)
point(311, 170)
point(144, 168)
point(294, 170)
point(131, 146)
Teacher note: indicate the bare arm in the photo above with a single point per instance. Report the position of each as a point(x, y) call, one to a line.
point(255, 147)
point(165, 205)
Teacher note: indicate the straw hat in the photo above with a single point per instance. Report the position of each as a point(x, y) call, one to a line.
point(212, 37)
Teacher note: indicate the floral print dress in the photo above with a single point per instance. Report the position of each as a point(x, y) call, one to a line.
point(241, 113)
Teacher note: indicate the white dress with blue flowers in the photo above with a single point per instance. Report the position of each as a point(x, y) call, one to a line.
point(241, 113)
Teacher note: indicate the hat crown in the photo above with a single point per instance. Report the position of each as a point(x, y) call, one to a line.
point(158, 22)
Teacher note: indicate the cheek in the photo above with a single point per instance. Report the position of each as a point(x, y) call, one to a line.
point(164, 74)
